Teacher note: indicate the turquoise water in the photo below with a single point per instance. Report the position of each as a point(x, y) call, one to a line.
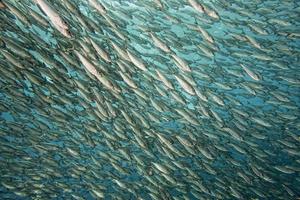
point(190, 100)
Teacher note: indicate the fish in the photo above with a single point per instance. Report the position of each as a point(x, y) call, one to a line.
point(98, 6)
point(164, 99)
point(160, 44)
point(198, 7)
point(54, 17)
point(253, 75)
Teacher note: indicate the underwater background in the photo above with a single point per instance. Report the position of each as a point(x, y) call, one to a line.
point(149, 99)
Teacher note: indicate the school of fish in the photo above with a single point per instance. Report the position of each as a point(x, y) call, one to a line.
point(149, 99)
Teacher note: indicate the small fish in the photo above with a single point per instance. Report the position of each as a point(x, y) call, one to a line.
point(253, 75)
point(54, 17)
